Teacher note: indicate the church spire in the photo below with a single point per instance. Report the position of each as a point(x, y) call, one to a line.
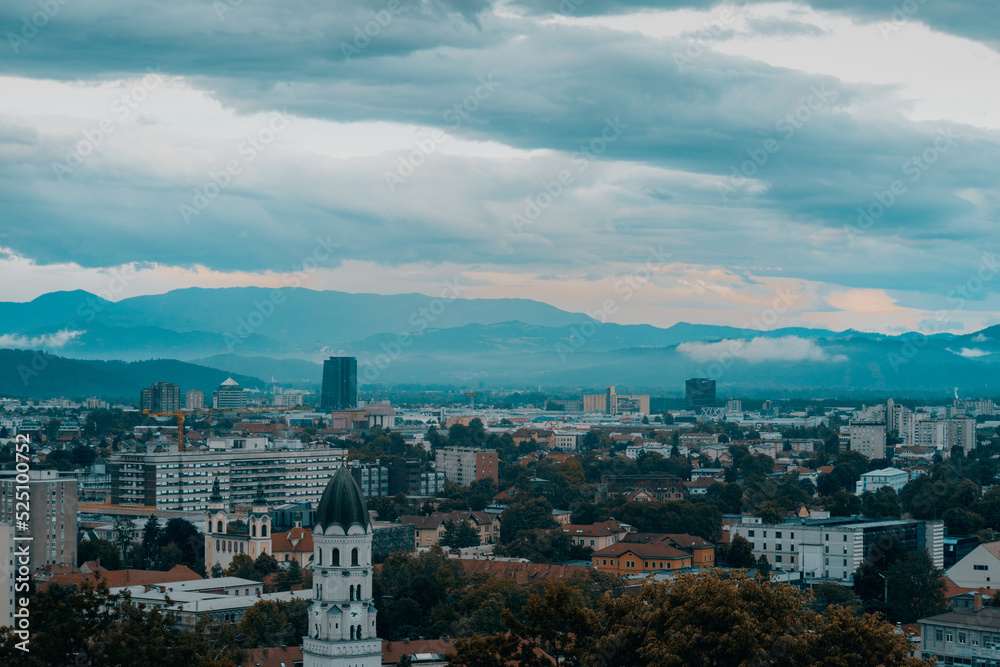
point(259, 500)
point(216, 496)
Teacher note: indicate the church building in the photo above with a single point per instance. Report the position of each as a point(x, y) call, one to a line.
point(342, 616)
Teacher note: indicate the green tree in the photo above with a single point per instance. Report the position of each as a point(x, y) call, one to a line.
point(459, 534)
point(99, 550)
point(240, 566)
point(829, 593)
point(881, 504)
point(151, 541)
point(526, 515)
point(738, 553)
point(915, 588)
point(123, 532)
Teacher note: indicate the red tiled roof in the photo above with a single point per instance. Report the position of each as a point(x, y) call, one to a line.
point(392, 652)
point(119, 578)
point(602, 529)
point(275, 656)
point(522, 573)
point(643, 550)
point(283, 541)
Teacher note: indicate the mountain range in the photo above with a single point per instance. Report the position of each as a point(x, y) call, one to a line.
point(284, 334)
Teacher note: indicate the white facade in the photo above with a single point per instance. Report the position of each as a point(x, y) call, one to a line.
point(832, 550)
point(342, 616)
point(874, 480)
point(979, 569)
point(175, 481)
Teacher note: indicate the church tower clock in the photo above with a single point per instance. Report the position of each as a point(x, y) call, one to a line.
point(342, 616)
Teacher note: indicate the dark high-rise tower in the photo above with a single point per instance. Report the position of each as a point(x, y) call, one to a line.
point(699, 393)
point(340, 384)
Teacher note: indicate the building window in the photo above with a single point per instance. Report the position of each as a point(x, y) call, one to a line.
point(335, 557)
point(981, 567)
point(961, 637)
point(354, 556)
point(263, 530)
point(750, 533)
point(777, 535)
point(777, 559)
point(949, 636)
point(938, 634)
point(319, 556)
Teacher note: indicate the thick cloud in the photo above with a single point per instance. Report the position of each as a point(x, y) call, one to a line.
point(723, 159)
point(757, 350)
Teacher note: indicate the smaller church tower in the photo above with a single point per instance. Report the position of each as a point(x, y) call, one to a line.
point(342, 615)
point(260, 524)
point(216, 521)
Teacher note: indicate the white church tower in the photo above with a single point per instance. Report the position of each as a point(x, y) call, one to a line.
point(342, 616)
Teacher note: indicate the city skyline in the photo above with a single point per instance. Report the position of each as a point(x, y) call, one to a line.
point(709, 160)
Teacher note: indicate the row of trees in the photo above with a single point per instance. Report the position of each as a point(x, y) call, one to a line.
point(694, 620)
point(90, 626)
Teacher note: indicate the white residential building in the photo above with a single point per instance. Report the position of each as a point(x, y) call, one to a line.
point(832, 549)
point(876, 479)
point(868, 438)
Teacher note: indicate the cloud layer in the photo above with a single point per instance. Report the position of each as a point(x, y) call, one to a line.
point(757, 350)
point(511, 142)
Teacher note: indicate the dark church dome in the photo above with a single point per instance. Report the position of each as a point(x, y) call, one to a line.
point(342, 503)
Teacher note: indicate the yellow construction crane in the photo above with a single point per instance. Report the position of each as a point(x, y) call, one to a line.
point(207, 412)
point(473, 395)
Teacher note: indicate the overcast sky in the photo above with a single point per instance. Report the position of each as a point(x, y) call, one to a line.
point(836, 158)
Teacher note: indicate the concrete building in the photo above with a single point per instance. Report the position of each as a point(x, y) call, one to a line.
point(373, 478)
point(223, 599)
point(832, 549)
point(699, 393)
point(229, 396)
point(194, 400)
point(8, 573)
point(612, 403)
point(568, 441)
point(169, 480)
point(874, 480)
point(465, 465)
point(970, 637)
point(52, 527)
point(340, 384)
point(868, 438)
